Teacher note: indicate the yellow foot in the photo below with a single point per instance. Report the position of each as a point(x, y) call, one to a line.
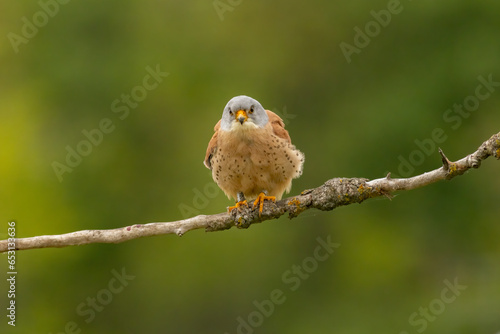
point(260, 201)
point(237, 206)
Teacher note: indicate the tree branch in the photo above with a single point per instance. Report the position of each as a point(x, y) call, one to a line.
point(333, 193)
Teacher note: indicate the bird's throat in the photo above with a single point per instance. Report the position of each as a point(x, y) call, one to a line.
point(237, 127)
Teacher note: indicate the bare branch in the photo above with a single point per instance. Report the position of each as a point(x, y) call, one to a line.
point(333, 193)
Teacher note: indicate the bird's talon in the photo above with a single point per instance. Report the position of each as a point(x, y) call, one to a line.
point(260, 201)
point(237, 206)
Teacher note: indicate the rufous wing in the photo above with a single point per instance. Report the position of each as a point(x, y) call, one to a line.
point(278, 126)
point(212, 147)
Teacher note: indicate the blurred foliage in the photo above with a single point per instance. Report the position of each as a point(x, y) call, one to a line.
point(350, 119)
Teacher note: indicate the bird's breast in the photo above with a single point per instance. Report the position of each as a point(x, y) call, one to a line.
point(242, 141)
point(254, 161)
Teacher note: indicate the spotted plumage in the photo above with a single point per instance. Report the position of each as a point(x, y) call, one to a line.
point(251, 153)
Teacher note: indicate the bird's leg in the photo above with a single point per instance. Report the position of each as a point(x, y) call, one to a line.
point(241, 201)
point(260, 200)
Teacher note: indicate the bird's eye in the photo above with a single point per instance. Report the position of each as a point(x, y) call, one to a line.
point(230, 112)
point(251, 110)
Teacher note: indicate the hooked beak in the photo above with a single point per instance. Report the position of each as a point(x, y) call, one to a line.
point(241, 116)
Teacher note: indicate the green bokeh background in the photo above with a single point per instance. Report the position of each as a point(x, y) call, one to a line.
point(350, 119)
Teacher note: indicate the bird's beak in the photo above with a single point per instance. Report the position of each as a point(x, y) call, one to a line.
point(241, 116)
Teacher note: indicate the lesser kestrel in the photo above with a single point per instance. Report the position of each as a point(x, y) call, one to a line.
point(251, 154)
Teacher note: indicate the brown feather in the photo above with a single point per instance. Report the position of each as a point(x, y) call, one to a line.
point(212, 147)
point(276, 123)
point(278, 126)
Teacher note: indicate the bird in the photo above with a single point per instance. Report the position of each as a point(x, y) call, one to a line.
point(251, 155)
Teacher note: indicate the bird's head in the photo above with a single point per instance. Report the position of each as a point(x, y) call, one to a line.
point(243, 112)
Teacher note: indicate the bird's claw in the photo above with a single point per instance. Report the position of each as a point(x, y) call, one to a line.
point(237, 206)
point(260, 201)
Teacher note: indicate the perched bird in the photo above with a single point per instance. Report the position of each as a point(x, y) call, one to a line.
point(251, 154)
